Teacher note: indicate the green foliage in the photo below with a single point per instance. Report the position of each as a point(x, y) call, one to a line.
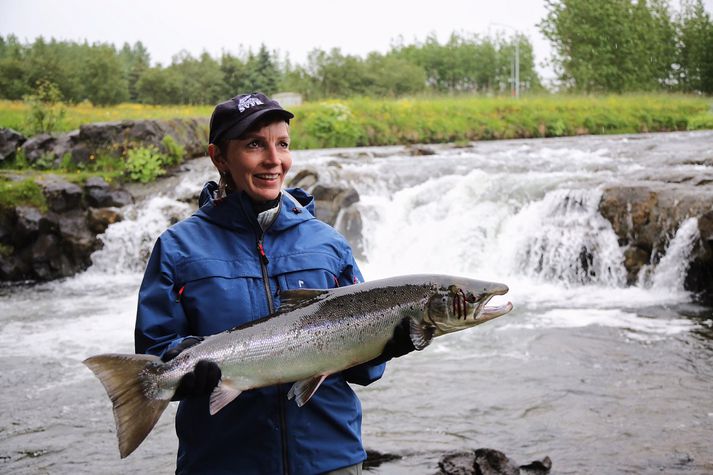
point(175, 153)
point(25, 192)
point(621, 46)
point(329, 124)
point(144, 164)
point(695, 55)
point(364, 122)
point(46, 110)
point(6, 250)
point(20, 158)
point(103, 77)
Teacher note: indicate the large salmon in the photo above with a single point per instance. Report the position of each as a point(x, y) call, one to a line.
point(315, 333)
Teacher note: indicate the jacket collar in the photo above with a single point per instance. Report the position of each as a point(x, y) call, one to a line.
point(235, 211)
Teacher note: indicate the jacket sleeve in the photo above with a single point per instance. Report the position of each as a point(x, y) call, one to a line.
point(364, 373)
point(160, 320)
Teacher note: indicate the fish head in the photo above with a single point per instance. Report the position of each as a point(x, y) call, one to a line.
point(462, 303)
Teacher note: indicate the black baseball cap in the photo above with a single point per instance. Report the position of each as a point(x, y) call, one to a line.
point(233, 117)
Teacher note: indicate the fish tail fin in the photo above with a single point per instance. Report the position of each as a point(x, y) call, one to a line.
point(124, 379)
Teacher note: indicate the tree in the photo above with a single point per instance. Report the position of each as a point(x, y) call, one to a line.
point(159, 86)
point(695, 53)
point(135, 61)
point(103, 78)
point(262, 72)
point(611, 45)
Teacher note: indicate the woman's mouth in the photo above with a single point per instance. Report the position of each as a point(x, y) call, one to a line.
point(267, 176)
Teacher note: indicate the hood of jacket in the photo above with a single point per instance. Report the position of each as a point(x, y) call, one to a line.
point(235, 211)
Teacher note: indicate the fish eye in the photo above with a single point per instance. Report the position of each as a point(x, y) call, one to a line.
point(470, 298)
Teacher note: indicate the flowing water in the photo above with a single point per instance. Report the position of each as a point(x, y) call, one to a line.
point(602, 377)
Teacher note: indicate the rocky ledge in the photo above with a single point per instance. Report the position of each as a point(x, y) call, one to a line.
point(82, 146)
point(646, 217)
point(57, 242)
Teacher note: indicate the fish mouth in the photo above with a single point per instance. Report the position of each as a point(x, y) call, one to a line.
point(484, 312)
point(495, 311)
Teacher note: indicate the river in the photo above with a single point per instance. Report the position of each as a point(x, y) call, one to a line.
point(601, 377)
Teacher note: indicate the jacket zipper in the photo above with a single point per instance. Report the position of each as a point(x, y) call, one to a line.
point(264, 261)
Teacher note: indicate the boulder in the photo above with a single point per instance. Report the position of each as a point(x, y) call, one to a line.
point(489, 462)
point(45, 245)
point(10, 141)
point(99, 219)
point(334, 204)
point(61, 195)
point(47, 150)
point(99, 194)
point(646, 217)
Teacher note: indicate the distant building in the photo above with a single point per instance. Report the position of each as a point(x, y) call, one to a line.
point(288, 99)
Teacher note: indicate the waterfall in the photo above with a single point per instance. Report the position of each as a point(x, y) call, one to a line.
point(128, 243)
point(564, 238)
point(670, 273)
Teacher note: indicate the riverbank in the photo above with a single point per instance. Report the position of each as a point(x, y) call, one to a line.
point(366, 122)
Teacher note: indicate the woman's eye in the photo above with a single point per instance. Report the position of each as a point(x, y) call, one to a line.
point(285, 145)
point(253, 144)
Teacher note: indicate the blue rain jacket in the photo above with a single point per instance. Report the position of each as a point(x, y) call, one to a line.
point(206, 275)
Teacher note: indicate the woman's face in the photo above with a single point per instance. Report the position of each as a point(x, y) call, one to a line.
point(259, 161)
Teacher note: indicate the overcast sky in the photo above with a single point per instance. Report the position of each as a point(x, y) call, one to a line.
point(289, 26)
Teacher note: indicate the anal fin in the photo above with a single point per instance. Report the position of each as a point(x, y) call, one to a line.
point(303, 390)
point(223, 394)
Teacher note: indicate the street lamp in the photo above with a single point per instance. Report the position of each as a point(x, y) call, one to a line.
point(515, 68)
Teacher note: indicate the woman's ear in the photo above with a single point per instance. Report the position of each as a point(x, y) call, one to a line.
point(216, 157)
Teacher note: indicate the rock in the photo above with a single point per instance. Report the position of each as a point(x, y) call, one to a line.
point(458, 463)
point(419, 150)
point(27, 224)
point(700, 272)
point(100, 218)
point(61, 195)
point(111, 138)
point(10, 141)
point(99, 194)
point(375, 458)
point(646, 217)
point(334, 206)
point(46, 150)
point(489, 462)
point(305, 179)
point(57, 243)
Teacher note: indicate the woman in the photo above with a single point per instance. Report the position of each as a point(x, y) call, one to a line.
point(225, 266)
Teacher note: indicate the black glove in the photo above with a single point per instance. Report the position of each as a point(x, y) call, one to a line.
point(199, 382)
point(399, 344)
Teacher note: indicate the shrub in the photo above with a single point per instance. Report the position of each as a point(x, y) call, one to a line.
point(174, 152)
point(144, 164)
point(46, 109)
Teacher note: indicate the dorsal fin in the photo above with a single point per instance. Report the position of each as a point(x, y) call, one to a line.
point(292, 299)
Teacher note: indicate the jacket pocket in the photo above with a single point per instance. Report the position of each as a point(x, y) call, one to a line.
point(219, 295)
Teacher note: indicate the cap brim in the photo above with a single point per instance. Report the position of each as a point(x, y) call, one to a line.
point(240, 128)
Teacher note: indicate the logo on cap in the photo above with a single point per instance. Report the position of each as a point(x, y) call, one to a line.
point(247, 102)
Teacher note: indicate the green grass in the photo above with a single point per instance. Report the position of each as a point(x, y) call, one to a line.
point(23, 192)
point(361, 122)
point(13, 114)
point(439, 120)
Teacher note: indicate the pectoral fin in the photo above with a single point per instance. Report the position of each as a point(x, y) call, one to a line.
point(421, 335)
point(303, 390)
point(222, 395)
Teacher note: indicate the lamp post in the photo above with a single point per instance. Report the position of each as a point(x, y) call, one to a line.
point(515, 68)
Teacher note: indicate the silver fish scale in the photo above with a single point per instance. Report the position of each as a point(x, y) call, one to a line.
point(339, 331)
